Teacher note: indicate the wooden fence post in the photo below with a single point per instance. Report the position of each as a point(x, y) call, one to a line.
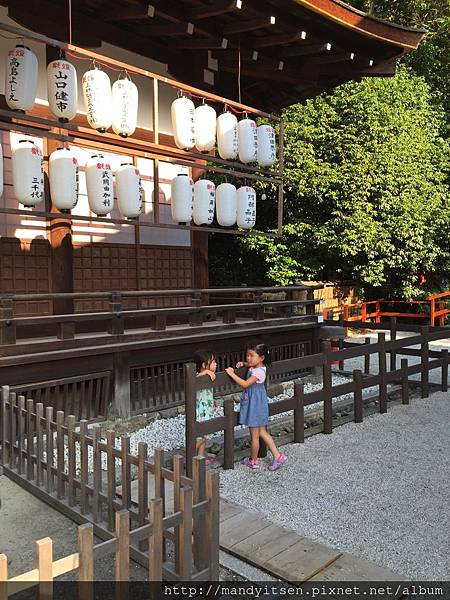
point(7, 325)
point(258, 314)
point(12, 430)
point(21, 433)
point(190, 411)
point(228, 442)
point(155, 541)
point(367, 342)
point(39, 444)
point(299, 413)
point(185, 535)
point(341, 364)
point(30, 439)
point(125, 471)
point(111, 476)
point(382, 372)
point(393, 335)
point(357, 396)
point(71, 467)
point(117, 324)
point(212, 523)
point(121, 385)
point(84, 473)
point(44, 560)
point(3, 577)
point(123, 546)
point(177, 473)
point(85, 551)
point(142, 489)
point(48, 447)
point(425, 358)
point(199, 495)
point(4, 422)
point(327, 389)
point(405, 388)
point(444, 376)
point(160, 487)
point(97, 469)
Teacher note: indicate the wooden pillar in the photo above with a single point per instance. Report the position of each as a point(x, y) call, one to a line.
point(60, 235)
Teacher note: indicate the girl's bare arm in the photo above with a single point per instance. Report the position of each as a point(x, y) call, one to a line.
point(244, 383)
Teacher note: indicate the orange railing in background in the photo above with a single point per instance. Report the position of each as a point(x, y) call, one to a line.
point(436, 307)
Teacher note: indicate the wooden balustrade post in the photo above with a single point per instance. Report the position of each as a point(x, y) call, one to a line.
point(190, 400)
point(121, 402)
point(44, 560)
point(432, 312)
point(117, 324)
point(4, 422)
point(327, 388)
point(21, 434)
point(357, 396)
point(48, 446)
point(444, 376)
point(393, 335)
point(228, 442)
point(84, 472)
point(30, 439)
point(199, 495)
point(382, 372)
point(258, 314)
point(71, 467)
point(299, 413)
point(364, 312)
point(310, 308)
point(39, 444)
point(377, 313)
point(155, 540)
point(7, 325)
point(185, 538)
point(341, 343)
point(425, 360)
point(196, 317)
point(405, 387)
point(345, 312)
point(65, 330)
point(367, 342)
point(12, 430)
point(212, 524)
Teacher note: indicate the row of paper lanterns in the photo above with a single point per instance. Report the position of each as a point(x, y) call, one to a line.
point(117, 106)
point(106, 106)
point(28, 181)
point(197, 202)
point(201, 127)
point(200, 201)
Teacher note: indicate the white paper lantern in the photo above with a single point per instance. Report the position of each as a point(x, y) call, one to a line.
point(183, 122)
point(62, 89)
point(227, 136)
point(125, 107)
point(248, 141)
point(99, 184)
point(267, 151)
point(97, 99)
point(226, 204)
point(28, 173)
point(204, 201)
point(64, 180)
point(21, 78)
point(1, 171)
point(129, 190)
point(205, 127)
point(182, 194)
point(246, 207)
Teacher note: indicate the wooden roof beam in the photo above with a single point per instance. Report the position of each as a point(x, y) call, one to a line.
point(243, 26)
point(204, 44)
point(219, 7)
point(277, 39)
point(139, 13)
point(261, 72)
point(171, 29)
point(305, 49)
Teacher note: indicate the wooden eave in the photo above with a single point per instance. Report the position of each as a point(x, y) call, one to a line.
point(313, 46)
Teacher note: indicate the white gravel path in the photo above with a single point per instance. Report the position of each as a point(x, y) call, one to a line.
point(379, 490)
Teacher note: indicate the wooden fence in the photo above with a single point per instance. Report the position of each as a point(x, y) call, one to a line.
point(76, 471)
point(388, 374)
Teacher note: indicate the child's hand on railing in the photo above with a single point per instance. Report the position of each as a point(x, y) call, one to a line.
point(240, 364)
point(229, 371)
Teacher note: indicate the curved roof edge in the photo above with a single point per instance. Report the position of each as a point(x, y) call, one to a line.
point(407, 38)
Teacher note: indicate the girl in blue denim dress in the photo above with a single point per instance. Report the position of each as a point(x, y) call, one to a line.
point(254, 410)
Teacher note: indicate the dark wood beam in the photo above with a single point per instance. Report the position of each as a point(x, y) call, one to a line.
point(336, 57)
point(171, 29)
point(260, 72)
point(218, 7)
point(203, 44)
point(139, 13)
point(233, 53)
point(304, 49)
point(242, 26)
point(276, 40)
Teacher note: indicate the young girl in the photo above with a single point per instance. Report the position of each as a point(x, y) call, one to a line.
point(206, 366)
point(255, 405)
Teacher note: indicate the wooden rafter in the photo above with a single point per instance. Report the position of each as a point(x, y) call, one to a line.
point(171, 29)
point(204, 44)
point(242, 26)
point(277, 39)
point(219, 7)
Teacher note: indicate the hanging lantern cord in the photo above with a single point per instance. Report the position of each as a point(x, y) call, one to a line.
point(70, 22)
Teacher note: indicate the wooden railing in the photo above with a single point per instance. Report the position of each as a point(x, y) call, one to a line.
point(387, 374)
point(434, 307)
point(51, 459)
point(116, 320)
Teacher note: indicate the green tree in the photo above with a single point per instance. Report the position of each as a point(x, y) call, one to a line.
point(366, 199)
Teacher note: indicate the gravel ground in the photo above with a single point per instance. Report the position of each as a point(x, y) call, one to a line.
point(378, 490)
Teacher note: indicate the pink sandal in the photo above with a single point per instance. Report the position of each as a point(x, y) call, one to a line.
point(250, 463)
